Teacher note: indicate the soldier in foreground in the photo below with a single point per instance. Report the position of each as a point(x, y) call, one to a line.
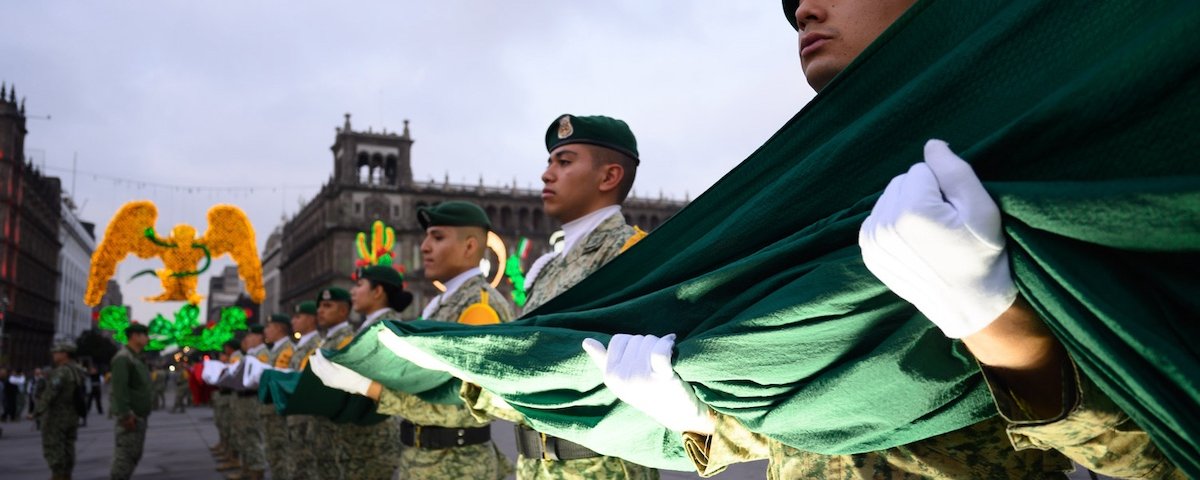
point(58, 413)
point(131, 397)
point(278, 334)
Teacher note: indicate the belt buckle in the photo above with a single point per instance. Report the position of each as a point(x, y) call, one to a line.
point(416, 436)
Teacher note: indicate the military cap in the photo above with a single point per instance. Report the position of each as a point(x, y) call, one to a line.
point(256, 328)
point(65, 346)
point(453, 214)
point(308, 306)
point(593, 130)
point(136, 328)
point(333, 293)
point(234, 344)
point(281, 318)
point(382, 274)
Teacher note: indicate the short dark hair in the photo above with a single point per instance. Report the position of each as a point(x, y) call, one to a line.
point(607, 156)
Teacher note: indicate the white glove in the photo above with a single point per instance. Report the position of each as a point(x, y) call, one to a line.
point(637, 368)
point(337, 376)
point(212, 371)
point(934, 239)
point(253, 372)
point(418, 357)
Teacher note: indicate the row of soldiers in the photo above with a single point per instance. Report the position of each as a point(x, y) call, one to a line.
point(588, 176)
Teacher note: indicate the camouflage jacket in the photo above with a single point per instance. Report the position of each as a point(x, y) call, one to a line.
point(338, 336)
point(57, 398)
point(301, 352)
point(1092, 431)
point(593, 251)
point(423, 413)
point(130, 384)
point(261, 352)
point(280, 354)
point(597, 248)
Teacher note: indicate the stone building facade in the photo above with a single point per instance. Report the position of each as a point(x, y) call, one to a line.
point(30, 214)
point(372, 180)
point(74, 262)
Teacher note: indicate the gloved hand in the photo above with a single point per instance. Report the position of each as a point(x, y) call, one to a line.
point(637, 368)
point(934, 239)
point(212, 371)
point(418, 357)
point(337, 376)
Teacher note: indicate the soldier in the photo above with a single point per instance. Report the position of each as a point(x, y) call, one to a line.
point(56, 411)
point(277, 333)
point(131, 397)
point(181, 388)
point(361, 451)
point(158, 377)
point(442, 441)
point(245, 414)
point(1043, 399)
point(224, 450)
point(301, 430)
point(591, 169)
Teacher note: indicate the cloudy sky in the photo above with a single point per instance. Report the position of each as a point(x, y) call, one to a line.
point(171, 95)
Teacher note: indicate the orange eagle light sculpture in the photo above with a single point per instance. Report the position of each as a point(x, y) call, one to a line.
point(131, 230)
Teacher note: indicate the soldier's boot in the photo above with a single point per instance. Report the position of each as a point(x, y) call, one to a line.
point(255, 475)
point(234, 475)
point(218, 447)
point(230, 464)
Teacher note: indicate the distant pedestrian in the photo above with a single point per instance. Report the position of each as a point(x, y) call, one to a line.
point(131, 396)
point(58, 413)
point(10, 396)
point(95, 387)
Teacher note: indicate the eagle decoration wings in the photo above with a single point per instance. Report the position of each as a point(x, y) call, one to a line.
point(131, 231)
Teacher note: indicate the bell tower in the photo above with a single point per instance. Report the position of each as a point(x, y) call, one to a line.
point(379, 159)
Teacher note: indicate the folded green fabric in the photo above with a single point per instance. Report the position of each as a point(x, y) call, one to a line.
point(1080, 117)
point(303, 393)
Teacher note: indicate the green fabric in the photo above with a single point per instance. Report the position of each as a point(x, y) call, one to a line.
point(1080, 117)
point(281, 388)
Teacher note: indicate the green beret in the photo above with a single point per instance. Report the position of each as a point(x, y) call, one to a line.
point(232, 344)
point(333, 293)
point(383, 274)
point(281, 318)
point(256, 328)
point(309, 307)
point(594, 130)
point(453, 214)
point(65, 346)
point(136, 328)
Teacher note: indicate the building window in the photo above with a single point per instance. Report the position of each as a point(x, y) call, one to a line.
point(357, 207)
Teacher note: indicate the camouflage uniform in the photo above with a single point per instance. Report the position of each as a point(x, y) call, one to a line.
point(562, 272)
point(181, 390)
point(223, 416)
point(131, 393)
point(59, 420)
point(358, 451)
point(302, 434)
point(274, 426)
point(1093, 432)
point(479, 461)
point(246, 425)
point(158, 378)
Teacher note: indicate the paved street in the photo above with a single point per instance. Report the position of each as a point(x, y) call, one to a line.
point(177, 449)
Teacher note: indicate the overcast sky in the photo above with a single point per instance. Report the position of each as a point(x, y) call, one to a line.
point(233, 94)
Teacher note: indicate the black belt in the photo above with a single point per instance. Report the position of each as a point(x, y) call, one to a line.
point(533, 444)
point(437, 438)
point(247, 393)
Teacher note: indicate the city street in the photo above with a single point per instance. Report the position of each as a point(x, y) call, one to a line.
point(177, 449)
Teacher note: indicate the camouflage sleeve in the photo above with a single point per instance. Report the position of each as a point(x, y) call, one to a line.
point(730, 443)
point(1090, 429)
point(484, 406)
point(52, 389)
point(420, 412)
point(120, 385)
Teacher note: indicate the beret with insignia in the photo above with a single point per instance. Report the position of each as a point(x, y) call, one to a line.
point(256, 328)
point(453, 214)
point(593, 130)
point(281, 318)
point(309, 307)
point(65, 346)
point(333, 293)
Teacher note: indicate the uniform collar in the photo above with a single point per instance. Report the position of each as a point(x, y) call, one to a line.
point(306, 337)
point(577, 229)
point(279, 345)
point(337, 328)
point(457, 281)
point(255, 350)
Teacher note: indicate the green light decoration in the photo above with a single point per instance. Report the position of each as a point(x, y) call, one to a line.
point(181, 331)
point(115, 318)
point(516, 276)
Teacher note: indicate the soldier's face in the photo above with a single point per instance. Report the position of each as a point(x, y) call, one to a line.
point(304, 323)
point(273, 332)
point(332, 312)
point(446, 252)
point(60, 358)
point(138, 341)
point(572, 183)
point(834, 32)
point(367, 299)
